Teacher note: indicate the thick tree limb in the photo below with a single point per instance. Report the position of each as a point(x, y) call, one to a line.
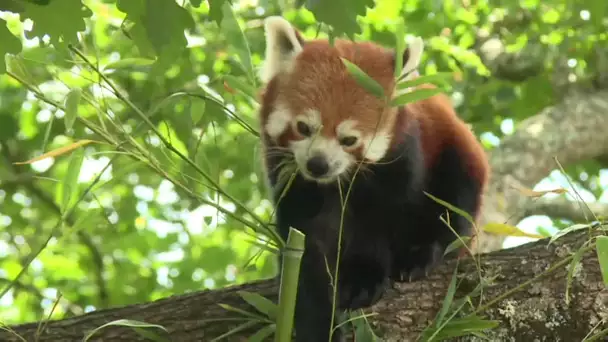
point(563, 208)
point(538, 311)
point(571, 131)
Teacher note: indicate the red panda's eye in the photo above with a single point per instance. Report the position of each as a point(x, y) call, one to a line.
point(348, 141)
point(303, 128)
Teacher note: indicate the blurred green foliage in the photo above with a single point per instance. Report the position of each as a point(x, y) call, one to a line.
point(137, 221)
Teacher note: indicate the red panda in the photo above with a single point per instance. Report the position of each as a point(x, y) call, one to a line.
point(334, 137)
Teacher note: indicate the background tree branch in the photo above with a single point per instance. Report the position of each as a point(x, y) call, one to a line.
point(563, 208)
point(572, 131)
point(404, 311)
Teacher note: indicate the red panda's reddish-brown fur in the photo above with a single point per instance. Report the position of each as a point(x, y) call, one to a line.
point(439, 127)
point(391, 231)
point(321, 80)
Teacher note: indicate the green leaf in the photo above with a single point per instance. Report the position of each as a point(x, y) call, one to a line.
point(262, 334)
point(569, 229)
point(69, 187)
point(130, 63)
point(10, 44)
point(124, 323)
point(215, 10)
point(262, 304)
point(238, 84)
point(135, 10)
point(457, 327)
point(168, 39)
point(456, 244)
point(575, 260)
point(399, 47)
point(340, 14)
point(71, 107)
point(60, 19)
point(507, 229)
point(415, 95)
point(364, 79)
point(196, 3)
point(440, 77)
point(449, 297)
point(232, 30)
point(601, 246)
point(241, 311)
point(452, 208)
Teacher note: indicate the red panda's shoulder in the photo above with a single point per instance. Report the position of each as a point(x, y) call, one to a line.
point(440, 127)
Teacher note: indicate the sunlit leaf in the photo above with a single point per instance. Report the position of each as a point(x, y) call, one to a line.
point(59, 19)
point(340, 14)
point(506, 229)
point(10, 44)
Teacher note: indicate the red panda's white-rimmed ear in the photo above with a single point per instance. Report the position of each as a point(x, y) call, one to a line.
point(283, 43)
point(411, 57)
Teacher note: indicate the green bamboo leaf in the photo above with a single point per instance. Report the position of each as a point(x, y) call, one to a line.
point(71, 107)
point(601, 246)
point(452, 208)
point(261, 303)
point(449, 298)
point(456, 244)
point(69, 186)
point(441, 77)
point(575, 260)
point(364, 79)
point(242, 312)
point(413, 96)
point(457, 327)
point(262, 334)
point(124, 323)
point(232, 30)
point(238, 84)
point(400, 47)
point(130, 63)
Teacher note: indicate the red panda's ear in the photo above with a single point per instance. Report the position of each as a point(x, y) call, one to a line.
point(411, 57)
point(283, 43)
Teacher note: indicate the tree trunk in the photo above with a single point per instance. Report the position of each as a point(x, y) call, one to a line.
point(536, 310)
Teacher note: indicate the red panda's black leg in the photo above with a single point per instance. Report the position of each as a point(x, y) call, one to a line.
point(364, 270)
point(450, 181)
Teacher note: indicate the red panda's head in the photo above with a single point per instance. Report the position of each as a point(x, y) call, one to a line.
point(317, 111)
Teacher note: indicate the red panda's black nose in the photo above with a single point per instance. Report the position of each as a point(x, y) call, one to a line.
point(317, 166)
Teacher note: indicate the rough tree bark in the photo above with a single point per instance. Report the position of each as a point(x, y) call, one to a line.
point(534, 312)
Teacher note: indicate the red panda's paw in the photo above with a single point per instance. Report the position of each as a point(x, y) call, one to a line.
point(418, 262)
point(361, 285)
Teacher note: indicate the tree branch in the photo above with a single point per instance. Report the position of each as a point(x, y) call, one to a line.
point(572, 131)
point(563, 208)
point(404, 311)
